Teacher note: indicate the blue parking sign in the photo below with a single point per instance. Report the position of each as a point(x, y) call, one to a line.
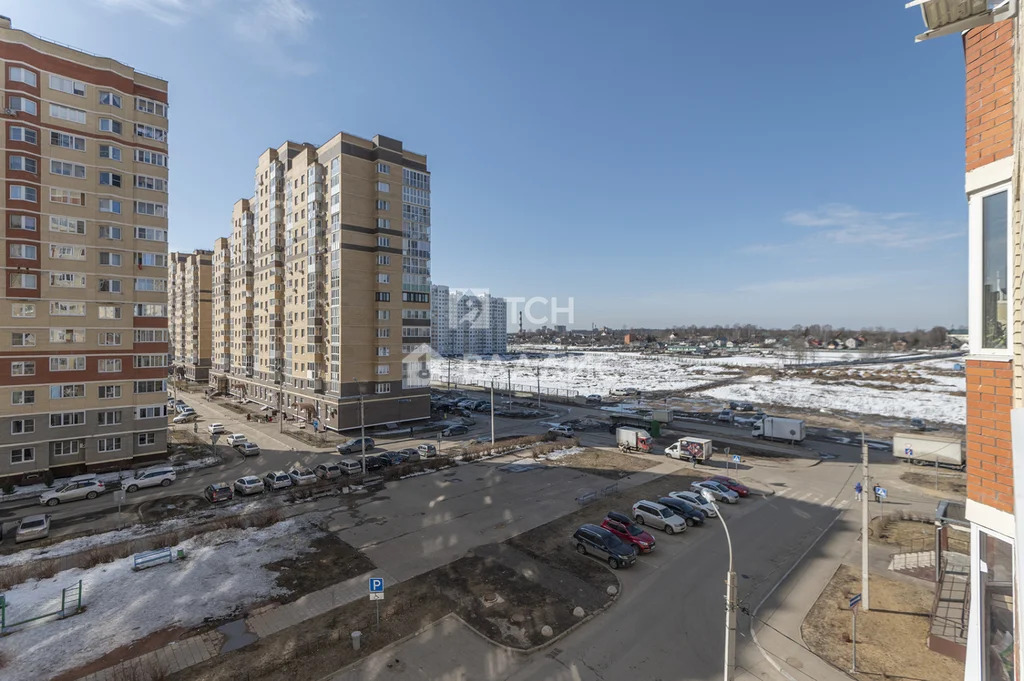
point(376, 585)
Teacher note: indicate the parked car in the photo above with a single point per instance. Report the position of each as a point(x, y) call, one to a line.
point(625, 529)
point(725, 415)
point(647, 512)
point(465, 403)
point(327, 471)
point(350, 467)
point(427, 451)
point(745, 406)
point(561, 431)
point(216, 428)
point(593, 399)
point(151, 477)
point(691, 515)
point(179, 401)
point(187, 417)
point(625, 392)
point(482, 405)
point(355, 445)
point(410, 454)
point(697, 501)
point(276, 480)
point(248, 449)
point(302, 476)
point(718, 490)
point(182, 408)
point(597, 541)
point(236, 439)
point(218, 491)
point(454, 430)
point(33, 527)
point(732, 484)
point(81, 487)
point(250, 484)
point(394, 458)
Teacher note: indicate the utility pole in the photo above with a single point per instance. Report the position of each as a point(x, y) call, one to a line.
point(362, 429)
point(449, 374)
point(538, 387)
point(509, 388)
point(864, 519)
point(280, 411)
point(492, 413)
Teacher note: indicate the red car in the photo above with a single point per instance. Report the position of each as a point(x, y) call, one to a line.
point(732, 484)
point(622, 527)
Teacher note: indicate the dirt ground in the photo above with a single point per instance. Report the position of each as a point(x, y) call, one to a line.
point(331, 561)
point(171, 507)
point(608, 463)
point(891, 638)
point(949, 481)
point(902, 533)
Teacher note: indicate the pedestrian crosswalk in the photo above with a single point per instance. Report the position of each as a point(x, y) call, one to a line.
point(809, 497)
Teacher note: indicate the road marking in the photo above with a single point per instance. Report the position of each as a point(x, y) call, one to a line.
point(844, 503)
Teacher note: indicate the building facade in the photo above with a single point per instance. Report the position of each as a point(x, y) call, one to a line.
point(83, 299)
point(467, 322)
point(220, 314)
point(327, 302)
point(190, 314)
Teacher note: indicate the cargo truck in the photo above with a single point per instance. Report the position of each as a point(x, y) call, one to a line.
point(776, 428)
point(929, 450)
point(630, 438)
point(690, 448)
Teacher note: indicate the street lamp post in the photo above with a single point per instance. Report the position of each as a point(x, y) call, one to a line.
point(729, 671)
point(492, 413)
point(509, 388)
point(864, 520)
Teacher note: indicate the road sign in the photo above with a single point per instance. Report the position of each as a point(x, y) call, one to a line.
point(854, 601)
point(908, 451)
point(119, 496)
point(736, 458)
point(882, 492)
point(377, 596)
point(376, 585)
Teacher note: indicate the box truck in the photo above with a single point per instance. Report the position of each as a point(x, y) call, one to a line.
point(776, 428)
point(630, 438)
point(929, 450)
point(690, 448)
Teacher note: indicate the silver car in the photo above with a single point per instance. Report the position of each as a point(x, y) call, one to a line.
point(74, 489)
point(33, 527)
point(697, 500)
point(250, 484)
point(657, 515)
point(718, 490)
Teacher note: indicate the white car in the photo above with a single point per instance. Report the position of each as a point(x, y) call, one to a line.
point(558, 431)
point(187, 417)
point(694, 499)
point(236, 439)
point(150, 477)
point(215, 428)
point(725, 415)
point(81, 487)
point(718, 490)
point(657, 515)
point(250, 484)
point(276, 480)
point(302, 476)
point(33, 527)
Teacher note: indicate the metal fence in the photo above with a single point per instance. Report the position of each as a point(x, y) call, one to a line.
point(70, 604)
point(585, 496)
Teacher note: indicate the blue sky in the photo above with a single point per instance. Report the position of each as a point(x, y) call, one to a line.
point(661, 163)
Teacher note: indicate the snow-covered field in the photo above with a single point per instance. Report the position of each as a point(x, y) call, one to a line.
point(223, 572)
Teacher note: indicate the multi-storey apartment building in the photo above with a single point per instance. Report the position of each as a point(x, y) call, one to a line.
point(83, 297)
point(467, 322)
point(220, 324)
point(329, 286)
point(994, 178)
point(189, 314)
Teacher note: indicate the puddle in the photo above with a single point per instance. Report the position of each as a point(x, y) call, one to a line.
point(237, 636)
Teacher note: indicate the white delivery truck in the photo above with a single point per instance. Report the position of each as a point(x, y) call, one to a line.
point(690, 448)
point(776, 428)
point(929, 450)
point(631, 438)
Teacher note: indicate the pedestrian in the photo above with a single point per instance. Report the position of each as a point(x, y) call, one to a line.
point(877, 498)
point(859, 489)
point(195, 427)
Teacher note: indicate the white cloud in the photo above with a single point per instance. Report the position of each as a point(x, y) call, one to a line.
point(846, 225)
point(173, 12)
point(265, 19)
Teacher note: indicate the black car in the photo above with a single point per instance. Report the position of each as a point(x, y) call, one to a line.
point(394, 458)
point(376, 463)
point(688, 512)
point(597, 541)
point(454, 430)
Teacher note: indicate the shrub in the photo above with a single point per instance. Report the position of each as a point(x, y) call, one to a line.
point(48, 478)
point(8, 487)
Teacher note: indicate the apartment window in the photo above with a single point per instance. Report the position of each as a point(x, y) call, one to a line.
point(23, 368)
point(415, 297)
point(110, 125)
point(23, 104)
point(150, 335)
point(990, 227)
point(150, 387)
point(383, 223)
point(415, 314)
point(67, 363)
point(23, 455)
point(63, 252)
point(155, 183)
point(383, 241)
point(109, 311)
point(383, 388)
point(23, 397)
point(110, 151)
point(110, 286)
point(149, 361)
point(383, 187)
point(68, 197)
point(110, 232)
point(23, 310)
point(383, 315)
point(109, 338)
point(383, 278)
point(23, 163)
point(23, 251)
point(23, 339)
point(67, 391)
point(66, 113)
point(383, 352)
point(150, 233)
point(60, 223)
point(146, 439)
point(62, 139)
point(150, 157)
point(383, 169)
point(110, 179)
point(107, 366)
point(149, 412)
point(151, 106)
point(415, 331)
point(24, 281)
point(23, 426)
point(151, 259)
point(150, 132)
point(110, 206)
point(108, 444)
point(27, 223)
point(110, 99)
point(72, 87)
point(383, 259)
point(416, 179)
point(383, 369)
point(150, 310)
point(66, 447)
point(19, 75)
point(109, 418)
point(110, 259)
point(67, 418)
point(149, 284)
point(382, 296)
point(67, 309)
point(109, 392)
point(383, 332)
point(67, 335)
point(67, 169)
point(383, 205)
point(150, 208)
point(20, 192)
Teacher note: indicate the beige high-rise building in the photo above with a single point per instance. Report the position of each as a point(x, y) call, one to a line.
point(83, 297)
point(329, 292)
point(221, 313)
point(190, 314)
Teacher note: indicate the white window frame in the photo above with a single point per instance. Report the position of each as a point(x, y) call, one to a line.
point(975, 270)
point(19, 74)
